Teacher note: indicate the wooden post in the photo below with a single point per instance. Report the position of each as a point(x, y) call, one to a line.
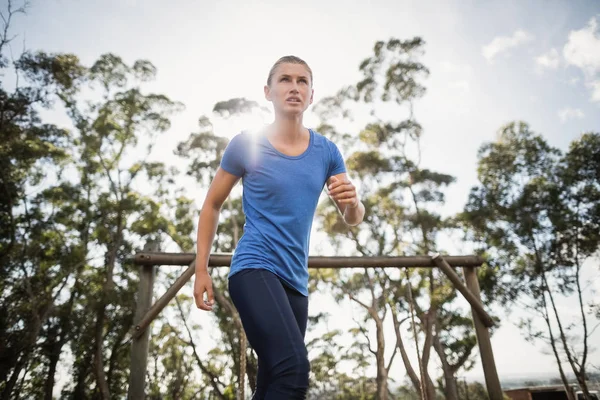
point(139, 344)
point(490, 373)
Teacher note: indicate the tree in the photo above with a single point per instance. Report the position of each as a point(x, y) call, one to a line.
point(390, 75)
point(70, 197)
point(538, 213)
point(32, 245)
point(401, 199)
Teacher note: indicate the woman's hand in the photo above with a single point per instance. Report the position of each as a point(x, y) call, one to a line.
point(203, 284)
point(343, 192)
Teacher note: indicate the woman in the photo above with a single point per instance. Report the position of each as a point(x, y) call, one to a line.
point(284, 169)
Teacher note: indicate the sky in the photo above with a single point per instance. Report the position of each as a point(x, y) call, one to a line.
point(490, 63)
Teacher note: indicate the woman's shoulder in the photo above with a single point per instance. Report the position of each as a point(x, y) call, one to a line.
point(245, 139)
point(322, 140)
point(242, 136)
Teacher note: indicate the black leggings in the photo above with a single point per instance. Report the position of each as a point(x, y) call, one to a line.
point(274, 318)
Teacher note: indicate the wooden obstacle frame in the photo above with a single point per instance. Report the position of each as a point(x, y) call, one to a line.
point(146, 312)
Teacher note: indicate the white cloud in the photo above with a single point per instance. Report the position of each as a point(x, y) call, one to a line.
point(458, 76)
point(570, 113)
point(583, 50)
point(502, 44)
point(550, 60)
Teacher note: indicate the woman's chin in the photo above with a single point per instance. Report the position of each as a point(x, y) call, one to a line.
point(290, 112)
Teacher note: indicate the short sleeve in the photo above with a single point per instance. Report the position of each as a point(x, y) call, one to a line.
point(336, 163)
point(234, 157)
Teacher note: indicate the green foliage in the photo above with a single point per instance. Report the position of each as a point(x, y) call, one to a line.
point(76, 204)
point(70, 215)
point(392, 72)
point(401, 201)
point(536, 210)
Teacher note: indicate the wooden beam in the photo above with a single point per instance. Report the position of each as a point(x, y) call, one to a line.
point(490, 373)
point(161, 303)
point(139, 344)
point(471, 298)
point(224, 260)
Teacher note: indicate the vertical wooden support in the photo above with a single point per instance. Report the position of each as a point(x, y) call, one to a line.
point(139, 344)
point(490, 373)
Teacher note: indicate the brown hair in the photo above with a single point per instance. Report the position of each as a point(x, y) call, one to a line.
point(288, 60)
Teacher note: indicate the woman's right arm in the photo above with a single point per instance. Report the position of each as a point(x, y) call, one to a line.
point(218, 191)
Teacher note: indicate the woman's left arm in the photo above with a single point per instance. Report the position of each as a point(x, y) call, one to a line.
point(344, 194)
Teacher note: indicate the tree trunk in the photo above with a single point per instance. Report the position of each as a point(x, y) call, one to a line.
point(10, 385)
point(53, 362)
point(578, 372)
point(8, 359)
point(101, 314)
point(429, 326)
point(39, 316)
point(251, 370)
point(414, 378)
point(382, 387)
point(583, 385)
point(61, 336)
point(79, 391)
point(582, 374)
point(114, 354)
point(563, 377)
point(450, 387)
point(98, 356)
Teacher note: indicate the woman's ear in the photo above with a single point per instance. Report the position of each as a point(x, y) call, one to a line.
point(267, 92)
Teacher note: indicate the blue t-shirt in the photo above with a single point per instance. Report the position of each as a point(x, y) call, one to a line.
point(280, 196)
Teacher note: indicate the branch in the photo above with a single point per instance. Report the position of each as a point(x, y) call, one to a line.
point(387, 369)
point(580, 297)
point(359, 246)
point(366, 307)
point(7, 21)
point(594, 329)
point(214, 380)
point(563, 338)
point(461, 360)
point(365, 334)
point(371, 289)
point(400, 344)
point(112, 183)
point(223, 302)
point(553, 344)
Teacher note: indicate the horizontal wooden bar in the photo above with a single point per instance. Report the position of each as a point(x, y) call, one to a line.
point(224, 260)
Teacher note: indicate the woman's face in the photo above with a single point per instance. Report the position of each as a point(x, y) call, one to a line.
point(290, 90)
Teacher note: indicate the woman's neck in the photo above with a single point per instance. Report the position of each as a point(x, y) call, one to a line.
point(288, 130)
